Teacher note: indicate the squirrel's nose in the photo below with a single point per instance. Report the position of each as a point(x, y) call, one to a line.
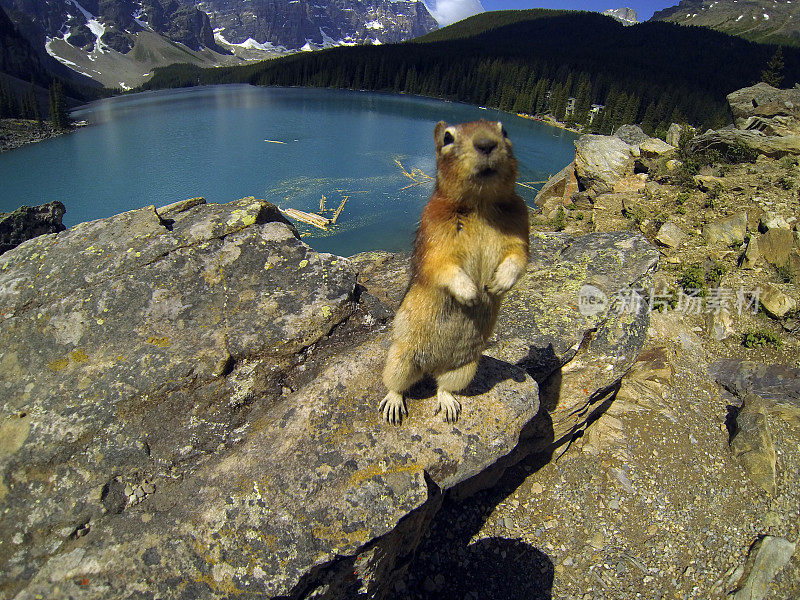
point(485, 145)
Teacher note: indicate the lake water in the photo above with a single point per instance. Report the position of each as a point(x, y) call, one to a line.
point(218, 142)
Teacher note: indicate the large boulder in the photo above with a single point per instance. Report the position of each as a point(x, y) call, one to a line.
point(654, 148)
point(29, 222)
point(631, 134)
point(730, 142)
point(761, 107)
point(728, 230)
point(600, 161)
point(189, 403)
point(558, 190)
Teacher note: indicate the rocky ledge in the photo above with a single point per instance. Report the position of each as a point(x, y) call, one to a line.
point(189, 393)
point(28, 222)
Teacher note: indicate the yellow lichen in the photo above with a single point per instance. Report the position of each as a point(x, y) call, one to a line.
point(303, 263)
point(58, 365)
point(371, 471)
point(161, 342)
point(79, 356)
point(339, 537)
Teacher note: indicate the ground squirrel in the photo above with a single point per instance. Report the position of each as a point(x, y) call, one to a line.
point(470, 248)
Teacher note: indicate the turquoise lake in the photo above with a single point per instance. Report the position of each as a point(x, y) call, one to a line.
point(219, 142)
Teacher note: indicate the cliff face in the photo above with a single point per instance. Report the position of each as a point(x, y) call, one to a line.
point(626, 16)
point(110, 23)
point(758, 20)
point(96, 38)
point(295, 24)
point(190, 403)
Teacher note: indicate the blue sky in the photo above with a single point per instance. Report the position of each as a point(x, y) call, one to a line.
point(644, 8)
point(449, 11)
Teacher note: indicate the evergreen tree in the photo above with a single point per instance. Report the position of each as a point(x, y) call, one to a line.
point(58, 106)
point(773, 74)
point(631, 110)
point(583, 99)
point(4, 104)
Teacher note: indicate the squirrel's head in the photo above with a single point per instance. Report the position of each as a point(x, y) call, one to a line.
point(474, 160)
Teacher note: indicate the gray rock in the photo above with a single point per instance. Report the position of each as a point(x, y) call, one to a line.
point(730, 140)
point(720, 325)
point(707, 183)
point(776, 245)
point(600, 161)
point(767, 556)
point(728, 230)
point(670, 235)
point(774, 382)
point(654, 147)
point(631, 134)
point(752, 444)
point(28, 222)
point(775, 301)
point(558, 189)
point(770, 110)
point(204, 355)
point(674, 134)
point(752, 254)
point(772, 221)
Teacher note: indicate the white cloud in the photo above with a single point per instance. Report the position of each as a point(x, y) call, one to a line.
point(449, 11)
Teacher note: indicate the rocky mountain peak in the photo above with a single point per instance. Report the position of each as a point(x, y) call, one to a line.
point(626, 16)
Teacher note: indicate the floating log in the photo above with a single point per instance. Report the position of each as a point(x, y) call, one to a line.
point(527, 184)
point(306, 217)
point(317, 220)
point(339, 210)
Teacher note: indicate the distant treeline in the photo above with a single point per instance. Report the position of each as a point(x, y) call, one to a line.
point(12, 106)
point(533, 62)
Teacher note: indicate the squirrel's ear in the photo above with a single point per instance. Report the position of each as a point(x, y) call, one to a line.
point(438, 133)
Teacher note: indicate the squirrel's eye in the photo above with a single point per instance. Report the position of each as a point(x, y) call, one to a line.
point(448, 138)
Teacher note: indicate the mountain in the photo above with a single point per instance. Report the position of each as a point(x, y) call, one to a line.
point(626, 16)
point(120, 42)
point(21, 65)
point(528, 61)
point(765, 21)
point(312, 24)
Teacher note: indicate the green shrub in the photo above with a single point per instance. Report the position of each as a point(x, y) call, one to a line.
point(693, 278)
point(635, 214)
point(682, 198)
point(761, 339)
point(560, 220)
point(715, 274)
point(785, 182)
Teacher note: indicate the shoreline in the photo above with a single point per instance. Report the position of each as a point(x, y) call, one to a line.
point(16, 133)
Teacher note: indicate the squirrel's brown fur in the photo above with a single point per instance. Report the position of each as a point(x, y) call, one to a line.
point(471, 247)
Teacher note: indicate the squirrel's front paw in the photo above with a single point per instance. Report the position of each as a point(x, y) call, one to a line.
point(464, 290)
point(466, 293)
point(505, 277)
